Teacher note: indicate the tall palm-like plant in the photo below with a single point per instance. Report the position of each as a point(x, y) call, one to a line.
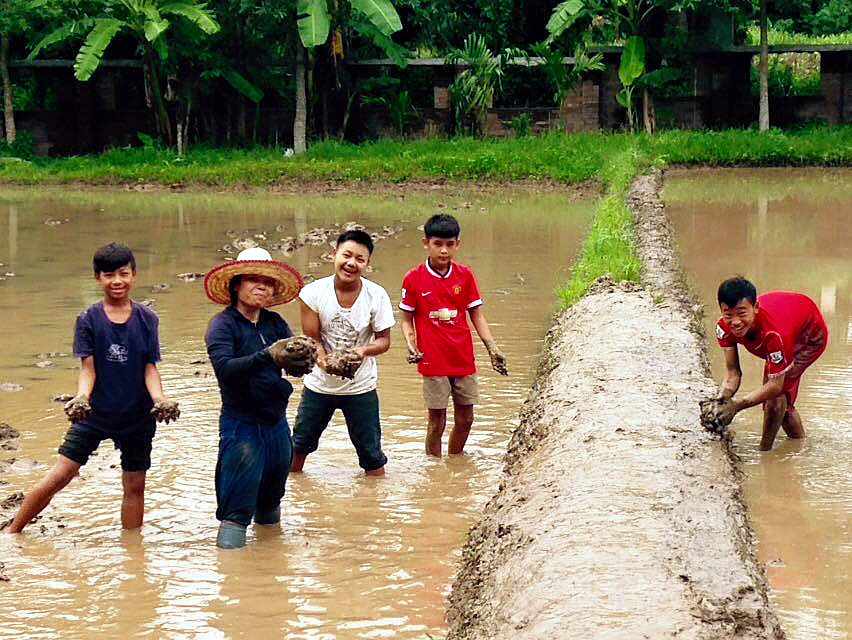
point(472, 92)
point(376, 20)
point(147, 21)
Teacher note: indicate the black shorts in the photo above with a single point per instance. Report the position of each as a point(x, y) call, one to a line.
point(134, 442)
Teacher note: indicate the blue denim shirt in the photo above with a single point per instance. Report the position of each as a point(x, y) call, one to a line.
point(250, 383)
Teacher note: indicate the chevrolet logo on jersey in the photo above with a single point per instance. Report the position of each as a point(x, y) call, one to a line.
point(445, 315)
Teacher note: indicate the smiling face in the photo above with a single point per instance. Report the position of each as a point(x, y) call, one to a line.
point(740, 317)
point(351, 260)
point(441, 252)
point(255, 291)
point(117, 284)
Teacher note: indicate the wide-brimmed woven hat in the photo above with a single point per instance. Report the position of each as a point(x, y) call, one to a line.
point(254, 261)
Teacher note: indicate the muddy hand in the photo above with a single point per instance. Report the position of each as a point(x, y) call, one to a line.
point(344, 363)
point(414, 356)
point(166, 411)
point(78, 409)
point(297, 355)
point(498, 362)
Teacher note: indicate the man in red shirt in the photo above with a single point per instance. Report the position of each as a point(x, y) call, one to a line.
point(437, 297)
point(783, 328)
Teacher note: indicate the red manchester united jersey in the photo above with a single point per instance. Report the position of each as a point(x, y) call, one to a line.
point(782, 320)
point(440, 305)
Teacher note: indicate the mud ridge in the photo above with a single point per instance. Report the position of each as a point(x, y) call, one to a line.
point(617, 515)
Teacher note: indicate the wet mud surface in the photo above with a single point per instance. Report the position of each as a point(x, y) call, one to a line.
point(618, 515)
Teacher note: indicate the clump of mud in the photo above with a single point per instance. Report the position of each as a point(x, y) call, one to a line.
point(343, 363)
point(618, 514)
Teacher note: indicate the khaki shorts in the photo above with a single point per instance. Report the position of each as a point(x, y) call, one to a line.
point(437, 390)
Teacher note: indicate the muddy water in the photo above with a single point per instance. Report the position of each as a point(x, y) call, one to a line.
point(355, 557)
point(787, 229)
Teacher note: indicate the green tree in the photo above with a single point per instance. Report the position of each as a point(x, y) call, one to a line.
point(14, 21)
point(147, 22)
point(629, 21)
point(375, 20)
point(472, 91)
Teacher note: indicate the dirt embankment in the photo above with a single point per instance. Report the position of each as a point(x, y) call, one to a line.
point(618, 516)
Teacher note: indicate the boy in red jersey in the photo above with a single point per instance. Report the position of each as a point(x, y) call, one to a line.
point(784, 328)
point(437, 296)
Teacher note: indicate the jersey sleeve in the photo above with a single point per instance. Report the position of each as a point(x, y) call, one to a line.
point(408, 299)
point(383, 316)
point(84, 336)
point(723, 337)
point(778, 360)
point(473, 297)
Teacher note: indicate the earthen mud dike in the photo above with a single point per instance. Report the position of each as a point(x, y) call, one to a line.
point(618, 516)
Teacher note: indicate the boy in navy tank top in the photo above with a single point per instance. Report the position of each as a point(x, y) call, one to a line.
point(119, 391)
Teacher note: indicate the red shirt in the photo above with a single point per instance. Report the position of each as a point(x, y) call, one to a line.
point(782, 321)
point(440, 305)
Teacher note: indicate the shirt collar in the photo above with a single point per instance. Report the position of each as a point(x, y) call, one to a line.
point(436, 274)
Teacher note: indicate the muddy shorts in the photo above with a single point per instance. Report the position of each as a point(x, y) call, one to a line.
point(810, 346)
point(134, 442)
point(361, 412)
point(438, 389)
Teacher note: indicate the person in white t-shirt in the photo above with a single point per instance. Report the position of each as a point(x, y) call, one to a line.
point(346, 314)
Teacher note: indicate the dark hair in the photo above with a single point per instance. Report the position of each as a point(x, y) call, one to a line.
point(112, 257)
point(233, 283)
point(732, 290)
point(442, 225)
point(356, 235)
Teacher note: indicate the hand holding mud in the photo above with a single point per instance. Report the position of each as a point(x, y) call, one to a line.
point(717, 413)
point(297, 355)
point(414, 356)
point(78, 409)
point(343, 363)
point(498, 361)
point(166, 411)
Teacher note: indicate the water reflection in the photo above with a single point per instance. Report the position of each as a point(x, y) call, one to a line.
point(355, 557)
point(787, 229)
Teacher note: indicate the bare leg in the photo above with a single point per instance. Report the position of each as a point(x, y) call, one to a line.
point(133, 501)
point(462, 422)
point(435, 431)
point(792, 424)
point(376, 472)
point(37, 499)
point(773, 415)
point(298, 462)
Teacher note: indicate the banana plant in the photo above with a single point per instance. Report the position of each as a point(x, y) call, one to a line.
point(147, 21)
point(630, 70)
point(376, 20)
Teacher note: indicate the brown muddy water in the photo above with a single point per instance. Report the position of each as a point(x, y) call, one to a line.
point(786, 229)
point(355, 557)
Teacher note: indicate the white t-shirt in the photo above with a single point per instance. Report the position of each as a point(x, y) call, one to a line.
point(342, 328)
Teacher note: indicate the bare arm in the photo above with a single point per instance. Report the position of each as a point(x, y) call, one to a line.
point(86, 379)
point(311, 328)
point(379, 344)
point(770, 389)
point(410, 334)
point(154, 383)
point(733, 374)
point(498, 360)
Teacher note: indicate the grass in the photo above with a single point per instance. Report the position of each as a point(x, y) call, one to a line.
point(609, 248)
point(779, 37)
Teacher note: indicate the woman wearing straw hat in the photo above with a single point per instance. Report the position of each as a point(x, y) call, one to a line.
point(249, 346)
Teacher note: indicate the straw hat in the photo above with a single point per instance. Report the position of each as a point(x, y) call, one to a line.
point(254, 261)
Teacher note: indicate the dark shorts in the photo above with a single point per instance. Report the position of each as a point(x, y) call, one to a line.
point(361, 412)
point(134, 442)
